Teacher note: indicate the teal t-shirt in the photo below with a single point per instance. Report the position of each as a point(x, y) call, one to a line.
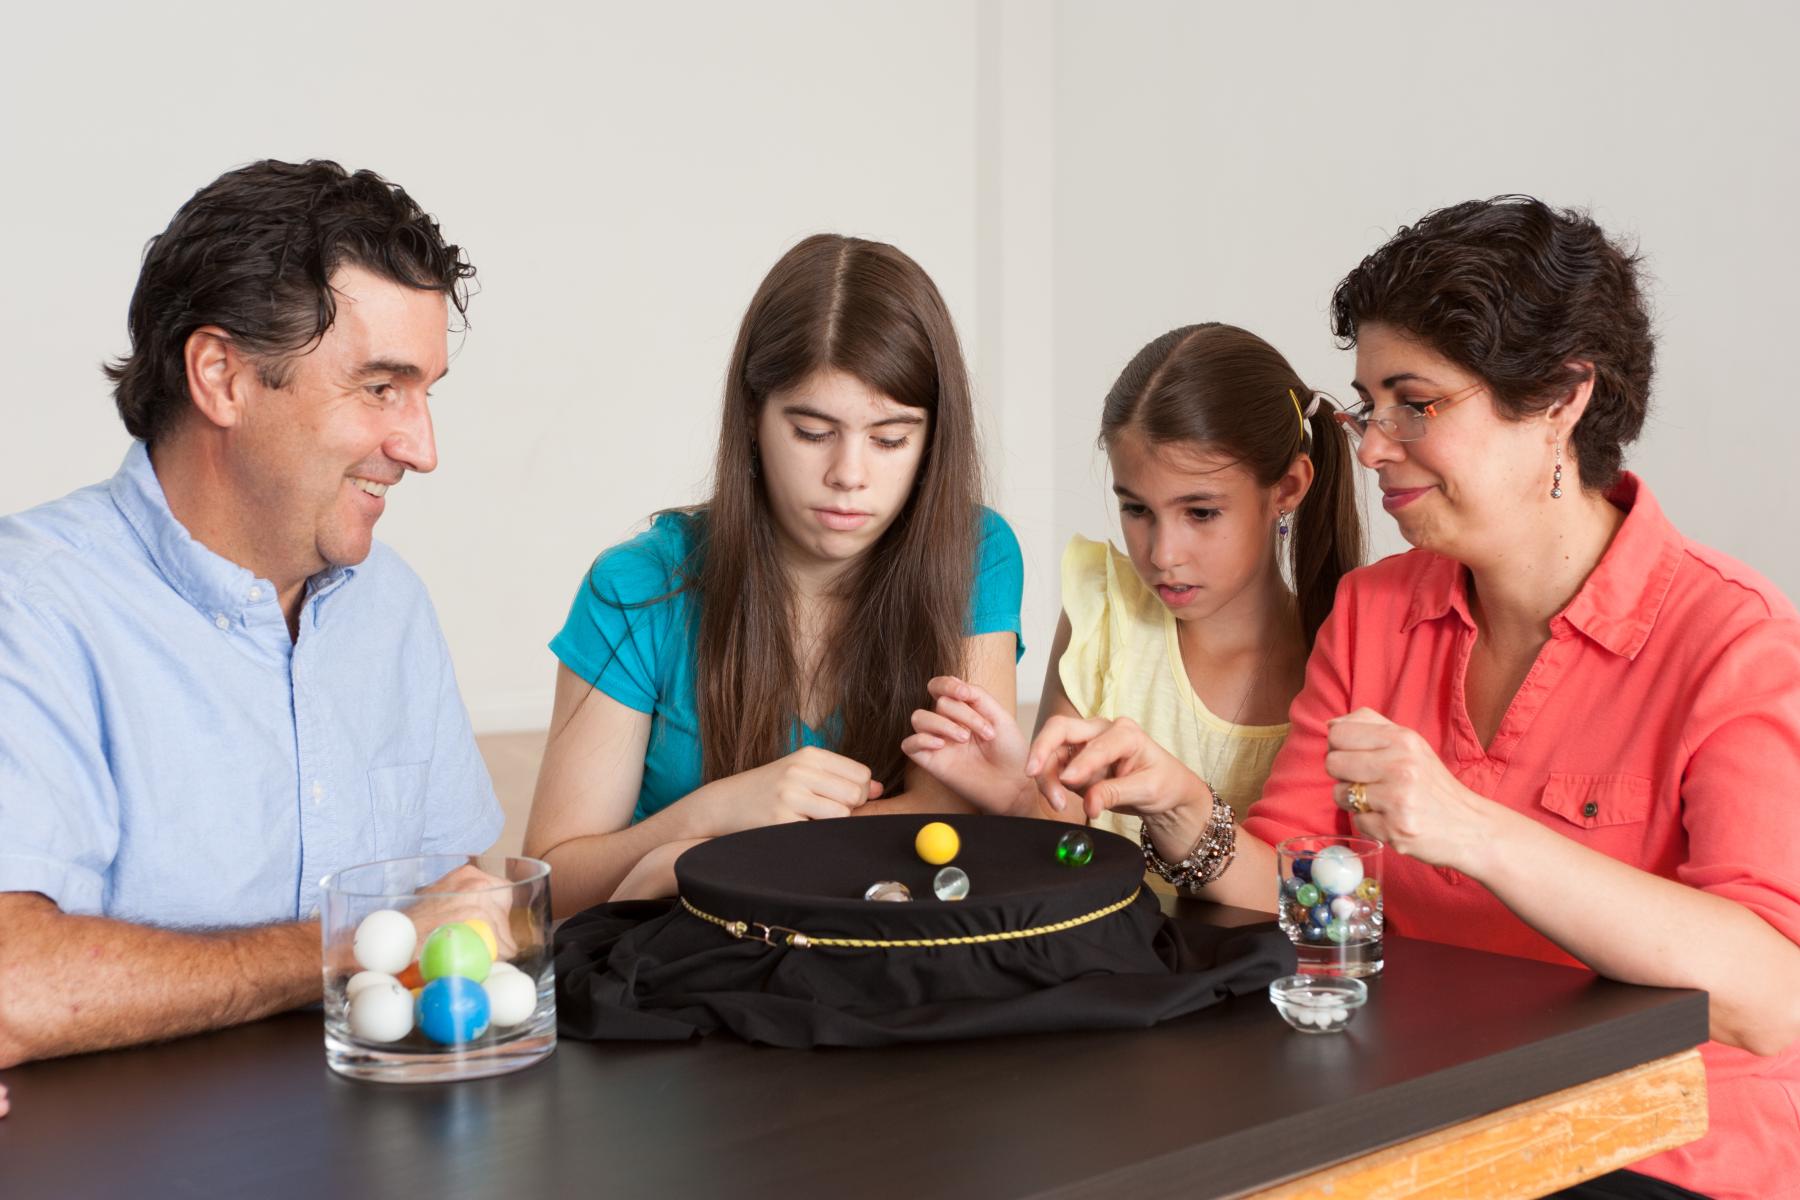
point(642, 654)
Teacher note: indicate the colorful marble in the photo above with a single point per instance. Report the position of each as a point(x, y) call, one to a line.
point(1337, 932)
point(888, 890)
point(1308, 894)
point(454, 1009)
point(1075, 848)
point(1343, 907)
point(1368, 889)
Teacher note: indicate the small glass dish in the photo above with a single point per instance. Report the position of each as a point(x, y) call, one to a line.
point(1318, 1003)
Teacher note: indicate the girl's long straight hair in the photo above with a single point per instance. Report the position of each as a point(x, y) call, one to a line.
point(866, 309)
point(1226, 388)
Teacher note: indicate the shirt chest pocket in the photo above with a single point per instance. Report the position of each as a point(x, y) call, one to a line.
point(397, 807)
point(1598, 802)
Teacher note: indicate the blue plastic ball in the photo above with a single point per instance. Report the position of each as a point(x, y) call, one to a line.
point(453, 1010)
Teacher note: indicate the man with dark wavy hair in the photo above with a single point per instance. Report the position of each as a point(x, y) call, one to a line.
point(215, 686)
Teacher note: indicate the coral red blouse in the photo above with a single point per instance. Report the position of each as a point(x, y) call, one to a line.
point(1659, 725)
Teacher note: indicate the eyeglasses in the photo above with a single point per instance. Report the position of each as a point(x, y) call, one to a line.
point(1401, 422)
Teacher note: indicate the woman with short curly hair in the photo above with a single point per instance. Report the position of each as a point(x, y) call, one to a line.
point(1578, 731)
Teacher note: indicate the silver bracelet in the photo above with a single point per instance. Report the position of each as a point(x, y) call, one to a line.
point(1209, 858)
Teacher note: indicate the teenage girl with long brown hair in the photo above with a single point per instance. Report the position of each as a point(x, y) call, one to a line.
point(1232, 478)
point(754, 659)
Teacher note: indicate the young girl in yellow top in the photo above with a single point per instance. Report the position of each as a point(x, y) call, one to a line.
point(1232, 479)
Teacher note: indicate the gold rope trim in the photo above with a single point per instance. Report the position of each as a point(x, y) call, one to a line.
point(759, 932)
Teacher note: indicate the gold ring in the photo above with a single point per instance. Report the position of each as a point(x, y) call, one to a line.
point(1359, 799)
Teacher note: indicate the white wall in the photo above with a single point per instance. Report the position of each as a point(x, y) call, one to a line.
point(1078, 177)
point(622, 174)
point(1232, 162)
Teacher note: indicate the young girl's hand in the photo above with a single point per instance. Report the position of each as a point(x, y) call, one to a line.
point(1113, 766)
point(974, 747)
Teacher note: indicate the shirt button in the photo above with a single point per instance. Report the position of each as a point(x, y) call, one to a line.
point(1590, 810)
point(255, 593)
point(221, 620)
point(318, 790)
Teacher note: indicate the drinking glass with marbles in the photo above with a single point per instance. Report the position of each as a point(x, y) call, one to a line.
point(438, 968)
point(1329, 901)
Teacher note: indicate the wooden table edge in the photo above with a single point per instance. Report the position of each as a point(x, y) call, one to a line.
point(1530, 1149)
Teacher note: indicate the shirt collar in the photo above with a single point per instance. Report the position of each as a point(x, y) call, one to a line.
point(211, 583)
point(1618, 604)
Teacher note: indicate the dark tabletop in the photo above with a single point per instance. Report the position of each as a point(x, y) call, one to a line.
point(1219, 1102)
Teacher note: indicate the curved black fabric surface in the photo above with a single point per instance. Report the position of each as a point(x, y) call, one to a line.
point(652, 970)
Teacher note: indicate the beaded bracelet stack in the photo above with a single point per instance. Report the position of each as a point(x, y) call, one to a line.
point(1209, 858)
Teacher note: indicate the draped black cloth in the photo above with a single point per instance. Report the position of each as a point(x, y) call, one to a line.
point(656, 970)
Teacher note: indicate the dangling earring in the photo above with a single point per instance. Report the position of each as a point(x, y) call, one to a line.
point(1556, 478)
point(1281, 524)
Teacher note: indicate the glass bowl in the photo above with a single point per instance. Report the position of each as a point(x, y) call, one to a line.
point(1318, 1003)
point(438, 968)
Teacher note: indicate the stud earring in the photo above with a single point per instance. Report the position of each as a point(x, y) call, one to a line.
point(1281, 524)
point(1556, 477)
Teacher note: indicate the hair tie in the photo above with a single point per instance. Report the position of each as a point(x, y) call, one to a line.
point(1305, 434)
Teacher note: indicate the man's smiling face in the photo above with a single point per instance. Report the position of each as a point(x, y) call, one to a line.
point(314, 458)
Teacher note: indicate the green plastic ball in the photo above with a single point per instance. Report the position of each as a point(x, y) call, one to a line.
point(455, 949)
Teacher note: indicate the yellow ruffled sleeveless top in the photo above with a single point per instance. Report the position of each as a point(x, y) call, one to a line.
point(1124, 660)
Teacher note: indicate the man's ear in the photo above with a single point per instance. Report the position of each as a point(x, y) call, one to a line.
point(218, 375)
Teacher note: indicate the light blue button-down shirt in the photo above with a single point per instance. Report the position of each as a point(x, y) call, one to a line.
point(170, 756)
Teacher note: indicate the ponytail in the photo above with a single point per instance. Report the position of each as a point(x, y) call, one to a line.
point(1327, 541)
